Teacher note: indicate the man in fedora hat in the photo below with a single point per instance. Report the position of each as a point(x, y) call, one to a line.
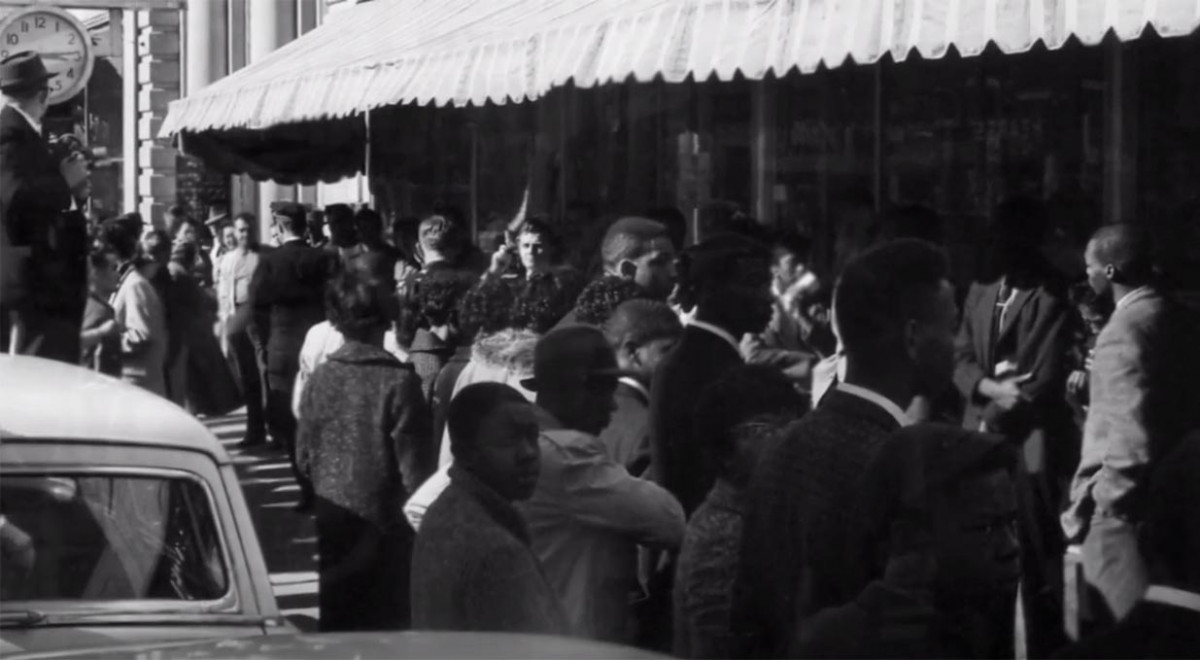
point(43, 295)
point(588, 515)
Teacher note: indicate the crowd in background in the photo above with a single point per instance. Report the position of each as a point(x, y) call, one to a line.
point(717, 449)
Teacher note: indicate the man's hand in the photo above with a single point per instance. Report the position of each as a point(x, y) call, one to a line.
point(1005, 393)
point(1077, 382)
point(74, 169)
point(750, 345)
point(501, 259)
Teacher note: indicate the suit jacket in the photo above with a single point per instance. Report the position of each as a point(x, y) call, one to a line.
point(801, 548)
point(289, 287)
point(1036, 336)
point(679, 463)
point(1150, 630)
point(34, 199)
point(1143, 401)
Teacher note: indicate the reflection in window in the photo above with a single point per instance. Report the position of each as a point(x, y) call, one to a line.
point(108, 537)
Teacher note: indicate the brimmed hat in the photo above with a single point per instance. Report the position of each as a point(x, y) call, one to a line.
point(570, 356)
point(23, 71)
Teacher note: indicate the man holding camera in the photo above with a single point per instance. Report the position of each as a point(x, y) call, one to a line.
point(44, 266)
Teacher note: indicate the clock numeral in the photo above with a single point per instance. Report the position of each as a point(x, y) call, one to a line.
point(12, 39)
point(70, 73)
point(39, 22)
point(57, 85)
point(3, 54)
point(72, 41)
point(57, 26)
point(24, 26)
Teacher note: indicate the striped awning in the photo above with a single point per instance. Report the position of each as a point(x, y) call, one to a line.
point(462, 52)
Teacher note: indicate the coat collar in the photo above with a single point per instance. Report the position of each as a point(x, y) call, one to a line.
point(499, 509)
point(844, 403)
point(717, 332)
point(1138, 294)
point(630, 387)
point(355, 352)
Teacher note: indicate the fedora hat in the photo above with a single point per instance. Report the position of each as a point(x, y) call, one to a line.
point(23, 71)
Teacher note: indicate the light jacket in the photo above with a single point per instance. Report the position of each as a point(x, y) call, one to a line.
point(587, 518)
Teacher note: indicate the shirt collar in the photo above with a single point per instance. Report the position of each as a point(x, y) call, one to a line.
point(720, 332)
point(1128, 298)
point(633, 382)
point(36, 126)
point(1173, 597)
point(878, 399)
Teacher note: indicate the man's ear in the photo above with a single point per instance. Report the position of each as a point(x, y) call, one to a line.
point(1111, 273)
point(912, 339)
point(627, 269)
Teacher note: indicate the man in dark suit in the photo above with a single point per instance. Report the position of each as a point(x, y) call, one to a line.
point(45, 287)
point(1142, 401)
point(289, 288)
point(726, 280)
point(1165, 623)
point(1011, 373)
point(895, 314)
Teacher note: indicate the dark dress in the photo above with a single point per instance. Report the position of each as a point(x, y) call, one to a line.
point(364, 443)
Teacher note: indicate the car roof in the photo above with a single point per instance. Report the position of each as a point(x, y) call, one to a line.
point(47, 399)
point(410, 644)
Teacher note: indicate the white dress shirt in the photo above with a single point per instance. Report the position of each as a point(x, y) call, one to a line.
point(1164, 595)
point(878, 399)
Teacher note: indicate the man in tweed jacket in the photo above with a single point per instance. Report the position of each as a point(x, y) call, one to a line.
point(800, 554)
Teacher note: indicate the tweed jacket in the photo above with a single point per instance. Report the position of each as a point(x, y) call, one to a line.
point(1143, 400)
point(473, 569)
point(800, 548)
point(678, 462)
point(705, 575)
point(364, 433)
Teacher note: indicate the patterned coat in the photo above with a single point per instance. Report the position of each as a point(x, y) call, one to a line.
point(473, 569)
point(364, 433)
point(800, 550)
point(705, 575)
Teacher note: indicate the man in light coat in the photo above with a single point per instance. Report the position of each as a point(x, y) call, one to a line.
point(1143, 400)
point(588, 515)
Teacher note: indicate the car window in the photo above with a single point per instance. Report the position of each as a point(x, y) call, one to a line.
point(99, 537)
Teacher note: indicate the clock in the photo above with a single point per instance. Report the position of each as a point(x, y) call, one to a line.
point(61, 40)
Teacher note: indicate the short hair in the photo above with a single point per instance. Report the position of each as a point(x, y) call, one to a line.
point(744, 394)
point(598, 299)
point(675, 222)
point(438, 233)
point(791, 243)
point(437, 295)
point(881, 289)
point(723, 260)
point(339, 214)
point(486, 308)
point(248, 218)
point(121, 235)
point(539, 226)
point(470, 408)
point(177, 211)
point(368, 215)
point(356, 304)
point(630, 238)
point(545, 299)
point(376, 266)
point(292, 218)
point(183, 252)
point(641, 321)
point(1127, 248)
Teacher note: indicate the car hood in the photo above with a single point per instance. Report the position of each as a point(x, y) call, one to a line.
point(54, 641)
point(370, 645)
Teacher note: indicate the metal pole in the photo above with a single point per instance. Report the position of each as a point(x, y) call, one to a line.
point(474, 181)
point(366, 178)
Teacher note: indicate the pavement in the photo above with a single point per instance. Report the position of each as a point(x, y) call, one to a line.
point(288, 539)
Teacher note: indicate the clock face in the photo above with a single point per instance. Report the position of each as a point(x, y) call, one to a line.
point(61, 40)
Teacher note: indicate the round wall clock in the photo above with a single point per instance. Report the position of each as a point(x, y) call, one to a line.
point(61, 40)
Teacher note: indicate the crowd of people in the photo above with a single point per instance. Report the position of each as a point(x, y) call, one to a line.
point(716, 450)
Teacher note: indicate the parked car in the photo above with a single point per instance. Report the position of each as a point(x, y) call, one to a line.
point(121, 519)
point(365, 646)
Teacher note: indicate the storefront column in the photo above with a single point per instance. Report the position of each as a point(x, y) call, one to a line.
point(308, 17)
point(270, 24)
point(764, 150)
point(1120, 131)
point(158, 79)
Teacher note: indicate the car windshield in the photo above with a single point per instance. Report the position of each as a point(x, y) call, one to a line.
point(85, 537)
